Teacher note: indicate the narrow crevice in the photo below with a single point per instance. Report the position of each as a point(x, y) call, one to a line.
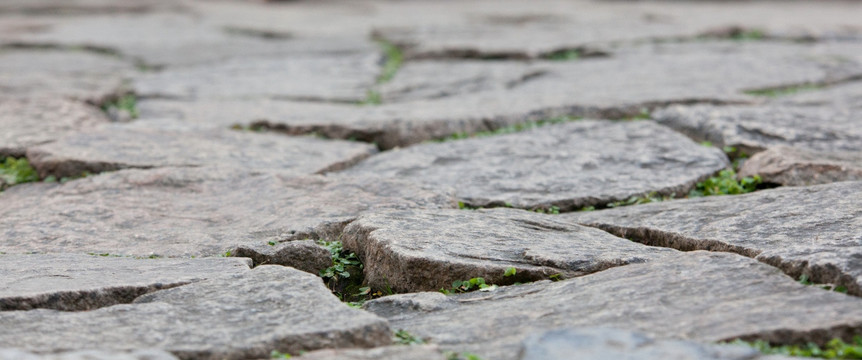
point(140, 64)
point(83, 300)
point(257, 33)
point(784, 90)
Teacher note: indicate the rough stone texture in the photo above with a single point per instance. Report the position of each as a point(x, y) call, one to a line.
point(14, 354)
point(801, 230)
point(192, 211)
point(397, 352)
point(305, 255)
point(84, 282)
point(415, 250)
point(569, 165)
point(605, 343)
point(732, 297)
point(122, 146)
point(82, 75)
point(753, 129)
point(336, 78)
point(797, 167)
point(239, 316)
point(33, 121)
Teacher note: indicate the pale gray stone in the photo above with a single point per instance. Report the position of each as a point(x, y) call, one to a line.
point(570, 166)
point(122, 146)
point(397, 352)
point(73, 282)
point(754, 129)
point(798, 167)
point(698, 296)
point(238, 316)
point(844, 96)
point(305, 255)
point(15, 354)
point(416, 250)
point(801, 230)
point(605, 343)
point(192, 211)
point(32, 121)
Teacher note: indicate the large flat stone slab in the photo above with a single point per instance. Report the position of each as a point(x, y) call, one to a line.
point(570, 165)
point(732, 297)
point(239, 316)
point(192, 211)
point(801, 230)
point(72, 282)
point(28, 122)
point(756, 128)
point(798, 167)
point(415, 250)
point(15, 354)
point(123, 146)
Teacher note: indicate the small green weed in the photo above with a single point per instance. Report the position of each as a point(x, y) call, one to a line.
point(643, 199)
point(748, 35)
point(476, 283)
point(804, 280)
point(511, 128)
point(451, 355)
point(555, 210)
point(784, 90)
point(402, 337)
point(344, 276)
point(394, 60)
point(16, 171)
point(725, 184)
point(835, 349)
point(563, 55)
point(275, 354)
point(373, 97)
point(128, 103)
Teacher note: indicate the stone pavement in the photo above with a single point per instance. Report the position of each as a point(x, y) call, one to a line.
point(374, 179)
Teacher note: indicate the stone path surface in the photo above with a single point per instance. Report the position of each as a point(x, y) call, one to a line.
point(227, 179)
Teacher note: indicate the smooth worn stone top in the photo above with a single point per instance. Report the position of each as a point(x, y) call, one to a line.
point(569, 165)
point(753, 129)
point(238, 316)
point(33, 121)
point(123, 146)
point(75, 282)
point(604, 343)
point(799, 167)
point(15, 354)
point(192, 211)
point(816, 230)
point(426, 250)
point(731, 295)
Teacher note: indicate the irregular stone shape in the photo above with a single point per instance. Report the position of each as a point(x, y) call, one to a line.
point(570, 166)
point(797, 167)
point(238, 316)
point(638, 78)
point(33, 121)
point(753, 129)
point(192, 211)
point(72, 282)
point(305, 255)
point(415, 250)
point(14, 354)
point(338, 78)
point(606, 343)
point(120, 147)
point(801, 230)
point(733, 297)
point(56, 73)
point(397, 352)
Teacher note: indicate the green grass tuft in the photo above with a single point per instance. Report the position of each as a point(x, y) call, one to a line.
point(16, 171)
point(784, 90)
point(128, 103)
point(394, 60)
point(725, 184)
point(835, 349)
point(563, 55)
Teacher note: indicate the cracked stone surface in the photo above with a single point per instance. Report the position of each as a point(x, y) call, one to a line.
point(811, 230)
point(33, 121)
point(305, 255)
point(415, 250)
point(605, 343)
point(72, 282)
point(733, 297)
point(192, 211)
point(15, 354)
point(570, 166)
point(238, 316)
point(122, 146)
point(397, 352)
point(797, 167)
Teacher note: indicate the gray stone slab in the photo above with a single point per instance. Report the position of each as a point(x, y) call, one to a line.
point(73, 282)
point(732, 297)
point(28, 122)
point(192, 211)
point(239, 316)
point(62, 73)
point(305, 255)
point(570, 166)
point(397, 352)
point(753, 129)
point(416, 250)
point(336, 78)
point(15, 354)
point(798, 167)
point(847, 95)
point(605, 343)
point(122, 146)
point(801, 230)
